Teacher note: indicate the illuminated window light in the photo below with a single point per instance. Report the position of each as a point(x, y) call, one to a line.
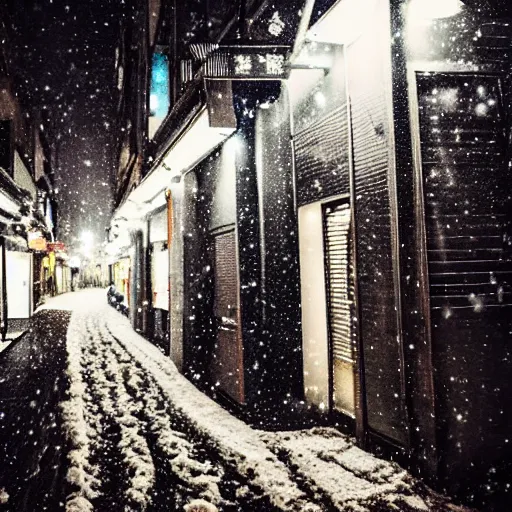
point(434, 9)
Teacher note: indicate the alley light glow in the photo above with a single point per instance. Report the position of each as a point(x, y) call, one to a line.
point(344, 23)
point(87, 237)
point(434, 9)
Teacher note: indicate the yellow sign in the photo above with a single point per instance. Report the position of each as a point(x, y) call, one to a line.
point(37, 244)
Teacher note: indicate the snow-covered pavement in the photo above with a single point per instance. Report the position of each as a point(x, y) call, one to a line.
point(142, 437)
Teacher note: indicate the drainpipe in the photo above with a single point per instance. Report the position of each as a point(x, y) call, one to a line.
point(3, 298)
point(168, 197)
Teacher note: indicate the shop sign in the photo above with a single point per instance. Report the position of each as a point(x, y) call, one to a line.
point(36, 241)
point(56, 246)
point(248, 62)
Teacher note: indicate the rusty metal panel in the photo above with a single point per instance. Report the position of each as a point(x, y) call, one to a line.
point(226, 275)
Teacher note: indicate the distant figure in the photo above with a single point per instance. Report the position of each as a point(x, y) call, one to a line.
point(116, 299)
point(111, 292)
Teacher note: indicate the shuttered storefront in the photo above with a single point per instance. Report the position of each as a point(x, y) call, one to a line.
point(338, 258)
point(322, 172)
point(466, 190)
point(466, 187)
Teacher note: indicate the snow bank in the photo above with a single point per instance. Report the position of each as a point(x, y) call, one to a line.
point(347, 477)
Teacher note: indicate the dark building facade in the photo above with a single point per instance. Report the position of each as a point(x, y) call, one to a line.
point(27, 200)
point(332, 190)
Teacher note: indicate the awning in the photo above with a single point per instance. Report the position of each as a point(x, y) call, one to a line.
point(183, 154)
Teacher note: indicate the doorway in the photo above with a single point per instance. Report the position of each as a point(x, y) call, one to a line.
point(340, 305)
point(328, 310)
point(228, 368)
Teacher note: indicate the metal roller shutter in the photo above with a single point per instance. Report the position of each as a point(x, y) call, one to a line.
point(340, 295)
point(226, 288)
point(228, 367)
point(337, 232)
point(321, 158)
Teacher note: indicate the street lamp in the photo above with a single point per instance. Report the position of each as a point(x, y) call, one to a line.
point(87, 239)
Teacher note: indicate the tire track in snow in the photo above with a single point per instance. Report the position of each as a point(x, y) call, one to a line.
point(195, 478)
point(267, 483)
point(189, 461)
point(82, 473)
point(110, 389)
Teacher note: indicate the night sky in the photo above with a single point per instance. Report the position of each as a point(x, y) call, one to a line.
point(63, 57)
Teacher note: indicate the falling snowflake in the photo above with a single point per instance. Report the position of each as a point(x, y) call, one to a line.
point(276, 25)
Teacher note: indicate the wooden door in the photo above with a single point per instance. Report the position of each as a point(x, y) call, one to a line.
point(228, 368)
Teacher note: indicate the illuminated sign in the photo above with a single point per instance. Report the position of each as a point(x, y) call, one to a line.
point(159, 91)
point(37, 244)
point(248, 62)
point(56, 246)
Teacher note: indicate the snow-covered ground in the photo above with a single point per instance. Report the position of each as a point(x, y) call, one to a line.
point(143, 437)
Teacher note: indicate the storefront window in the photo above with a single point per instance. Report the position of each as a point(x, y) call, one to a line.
point(159, 92)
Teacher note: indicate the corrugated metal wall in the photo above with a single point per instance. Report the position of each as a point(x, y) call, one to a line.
point(370, 111)
point(467, 183)
point(321, 158)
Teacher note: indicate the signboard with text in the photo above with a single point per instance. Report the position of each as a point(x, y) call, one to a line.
point(36, 241)
point(56, 246)
point(248, 62)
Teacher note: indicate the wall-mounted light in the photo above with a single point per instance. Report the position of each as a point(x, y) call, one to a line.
point(434, 9)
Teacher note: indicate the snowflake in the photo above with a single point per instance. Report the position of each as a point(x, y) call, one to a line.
point(276, 25)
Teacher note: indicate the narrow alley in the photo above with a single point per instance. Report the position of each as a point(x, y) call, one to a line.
point(116, 427)
point(255, 256)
